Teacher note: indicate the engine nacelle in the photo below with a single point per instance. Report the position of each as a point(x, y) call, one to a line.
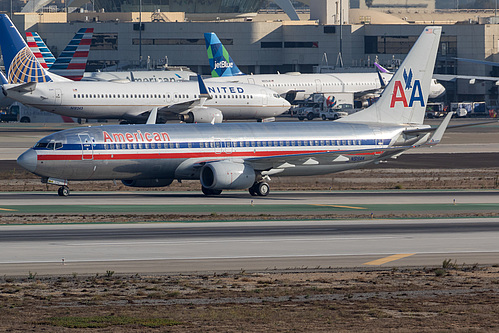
point(225, 175)
point(203, 115)
point(147, 182)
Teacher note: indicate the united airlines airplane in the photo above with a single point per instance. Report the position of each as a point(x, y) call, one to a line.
point(31, 85)
point(297, 85)
point(245, 155)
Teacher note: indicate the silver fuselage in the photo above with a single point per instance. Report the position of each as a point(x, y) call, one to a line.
point(177, 151)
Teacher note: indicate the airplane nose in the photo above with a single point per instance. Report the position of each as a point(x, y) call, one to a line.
point(28, 160)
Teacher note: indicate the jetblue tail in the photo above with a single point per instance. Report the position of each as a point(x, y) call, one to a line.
point(72, 61)
point(404, 99)
point(40, 49)
point(221, 63)
point(20, 63)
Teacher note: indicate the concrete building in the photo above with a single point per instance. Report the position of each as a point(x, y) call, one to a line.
point(266, 45)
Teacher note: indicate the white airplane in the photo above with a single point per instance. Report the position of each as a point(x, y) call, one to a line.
point(245, 155)
point(140, 76)
point(31, 85)
point(224, 69)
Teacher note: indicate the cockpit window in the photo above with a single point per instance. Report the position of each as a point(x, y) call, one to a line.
point(58, 145)
point(51, 145)
point(41, 145)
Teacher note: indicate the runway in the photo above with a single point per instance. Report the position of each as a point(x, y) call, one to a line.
point(208, 247)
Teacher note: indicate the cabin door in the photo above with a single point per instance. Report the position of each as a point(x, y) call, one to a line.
point(87, 146)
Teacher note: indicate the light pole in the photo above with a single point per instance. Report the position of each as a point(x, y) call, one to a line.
point(140, 33)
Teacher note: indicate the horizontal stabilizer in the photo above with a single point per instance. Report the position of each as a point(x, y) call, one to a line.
point(439, 132)
point(23, 88)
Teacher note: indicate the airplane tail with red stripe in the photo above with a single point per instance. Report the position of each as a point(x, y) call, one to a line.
point(40, 49)
point(72, 61)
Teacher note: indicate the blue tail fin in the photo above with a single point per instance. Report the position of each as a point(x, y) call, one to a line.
point(20, 63)
point(221, 63)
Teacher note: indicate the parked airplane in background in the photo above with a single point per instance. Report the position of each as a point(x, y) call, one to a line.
point(131, 101)
point(71, 62)
point(297, 85)
point(79, 55)
point(245, 155)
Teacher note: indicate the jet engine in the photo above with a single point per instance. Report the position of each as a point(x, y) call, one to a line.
point(147, 182)
point(225, 175)
point(203, 115)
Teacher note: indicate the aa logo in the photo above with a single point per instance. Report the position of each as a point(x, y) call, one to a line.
point(414, 88)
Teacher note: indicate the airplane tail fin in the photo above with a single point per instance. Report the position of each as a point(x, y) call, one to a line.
point(20, 63)
point(404, 99)
point(221, 63)
point(72, 61)
point(40, 49)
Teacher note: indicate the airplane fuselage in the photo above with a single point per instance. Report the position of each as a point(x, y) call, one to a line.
point(178, 151)
point(111, 100)
point(307, 84)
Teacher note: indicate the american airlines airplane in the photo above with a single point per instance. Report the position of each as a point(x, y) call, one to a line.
point(71, 62)
point(76, 53)
point(245, 155)
point(224, 69)
point(31, 85)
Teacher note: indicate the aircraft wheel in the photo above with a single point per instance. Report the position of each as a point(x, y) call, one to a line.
point(252, 191)
point(207, 191)
point(262, 189)
point(63, 191)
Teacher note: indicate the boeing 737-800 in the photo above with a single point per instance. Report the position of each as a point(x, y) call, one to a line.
point(245, 155)
point(224, 69)
point(31, 85)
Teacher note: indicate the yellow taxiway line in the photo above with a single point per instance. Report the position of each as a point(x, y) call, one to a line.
point(389, 258)
point(8, 210)
point(339, 206)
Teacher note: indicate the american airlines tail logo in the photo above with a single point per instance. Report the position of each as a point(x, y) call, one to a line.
point(400, 92)
point(223, 64)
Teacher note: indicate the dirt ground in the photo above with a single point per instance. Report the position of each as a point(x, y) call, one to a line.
point(454, 297)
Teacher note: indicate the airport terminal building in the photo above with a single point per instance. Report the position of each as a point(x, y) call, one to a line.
point(271, 43)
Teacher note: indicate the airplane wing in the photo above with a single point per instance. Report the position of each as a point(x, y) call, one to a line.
point(472, 79)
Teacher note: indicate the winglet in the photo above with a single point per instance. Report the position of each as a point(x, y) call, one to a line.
point(381, 68)
point(152, 116)
point(3, 79)
point(203, 92)
point(221, 64)
point(439, 132)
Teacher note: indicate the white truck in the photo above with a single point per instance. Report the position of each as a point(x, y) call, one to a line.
point(323, 106)
point(336, 112)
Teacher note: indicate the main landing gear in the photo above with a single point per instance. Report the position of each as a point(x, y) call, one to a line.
point(63, 191)
point(261, 189)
